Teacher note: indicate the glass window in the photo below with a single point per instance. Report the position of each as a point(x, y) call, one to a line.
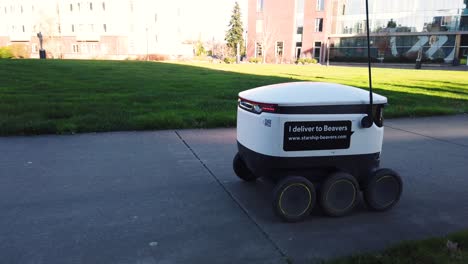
point(258, 49)
point(299, 30)
point(318, 24)
point(320, 5)
point(259, 26)
point(259, 5)
point(84, 48)
point(91, 6)
point(300, 6)
point(76, 48)
point(104, 6)
point(279, 48)
point(71, 7)
point(317, 50)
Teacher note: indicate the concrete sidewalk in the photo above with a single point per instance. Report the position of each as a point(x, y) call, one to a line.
point(172, 197)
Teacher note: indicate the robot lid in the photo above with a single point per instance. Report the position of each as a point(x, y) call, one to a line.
point(310, 93)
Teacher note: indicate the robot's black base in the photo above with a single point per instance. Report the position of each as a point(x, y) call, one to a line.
point(315, 168)
point(333, 181)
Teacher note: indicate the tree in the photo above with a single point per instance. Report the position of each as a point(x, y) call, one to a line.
point(391, 24)
point(199, 48)
point(235, 32)
point(266, 38)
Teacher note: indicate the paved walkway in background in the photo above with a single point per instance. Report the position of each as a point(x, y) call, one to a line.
point(424, 66)
point(172, 197)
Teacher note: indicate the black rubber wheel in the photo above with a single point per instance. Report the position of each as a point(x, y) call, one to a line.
point(241, 169)
point(339, 194)
point(383, 190)
point(294, 198)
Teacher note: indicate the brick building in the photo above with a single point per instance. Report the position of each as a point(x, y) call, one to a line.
point(282, 31)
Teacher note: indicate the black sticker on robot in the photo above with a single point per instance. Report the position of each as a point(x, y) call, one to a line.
point(317, 135)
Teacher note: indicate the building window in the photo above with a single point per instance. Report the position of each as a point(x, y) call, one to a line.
point(24, 30)
point(259, 5)
point(320, 5)
point(71, 7)
point(299, 30)
point(104, 6)
point(84, 48)
point(105, 28)
point(298, 50)
point(259, 26)
point(79, 6)
point(91, 6)
point(73, 28)
point(359, 27)
point(155, 18)
point(279, 48)
point(344, 10)
point(156, 38)
point(317, 50)
point(76, 48)
point(318, 24)
point(21, 9)
point(258, 49)
point(131, 6)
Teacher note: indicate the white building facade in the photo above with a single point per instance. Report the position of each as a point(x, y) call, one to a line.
point(97, 29)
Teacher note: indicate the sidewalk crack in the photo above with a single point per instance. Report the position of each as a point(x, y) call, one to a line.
point(244, 210)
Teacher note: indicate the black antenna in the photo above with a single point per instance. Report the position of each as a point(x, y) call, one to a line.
point(369, 120)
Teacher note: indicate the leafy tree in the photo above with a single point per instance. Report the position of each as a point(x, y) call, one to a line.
point(199, 49)
point(234, 34)
point(391, 24)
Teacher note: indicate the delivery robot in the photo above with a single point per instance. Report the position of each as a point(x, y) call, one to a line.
point(320, 143)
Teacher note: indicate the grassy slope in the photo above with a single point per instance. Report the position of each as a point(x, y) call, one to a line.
point(55, 96)
point(429, 251)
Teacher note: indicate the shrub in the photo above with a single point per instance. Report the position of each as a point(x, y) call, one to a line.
point(255, 60)
point(438, 60)
point(20, 51)
point(306, 61)
point(153, 57)
point(463, 61)
point(229, 60)
point(5, 53)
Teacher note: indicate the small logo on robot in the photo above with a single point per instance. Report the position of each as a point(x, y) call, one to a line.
point(267, 122)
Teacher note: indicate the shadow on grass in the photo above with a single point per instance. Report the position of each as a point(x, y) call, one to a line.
point(67, 96)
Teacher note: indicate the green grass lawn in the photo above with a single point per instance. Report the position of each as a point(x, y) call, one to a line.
point(429, 251)
point(66, 96)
